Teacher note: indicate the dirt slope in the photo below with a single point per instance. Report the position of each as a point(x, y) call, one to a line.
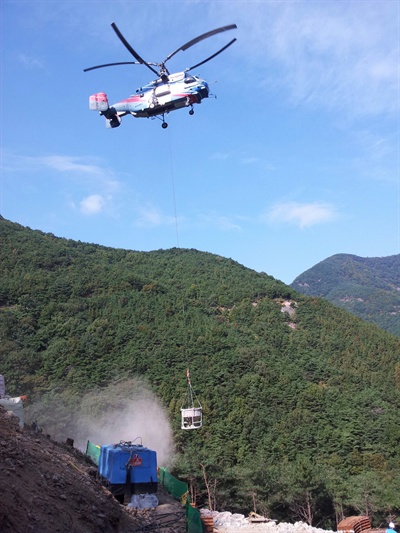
point(47, 487)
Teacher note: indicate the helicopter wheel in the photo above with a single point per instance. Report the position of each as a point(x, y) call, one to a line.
point(164, 125)
point(191, 112)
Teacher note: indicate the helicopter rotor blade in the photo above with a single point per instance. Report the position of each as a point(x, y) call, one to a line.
point(201, 38)
point(212, 57)
point(130, 49)
point(112, 65)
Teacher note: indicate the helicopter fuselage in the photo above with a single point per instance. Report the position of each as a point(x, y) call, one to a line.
point(160, 97)
point(154, 99)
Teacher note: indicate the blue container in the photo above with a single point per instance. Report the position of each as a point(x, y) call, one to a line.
point(127, 464)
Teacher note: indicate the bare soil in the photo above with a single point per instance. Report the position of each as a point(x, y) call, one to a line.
point(49, 487)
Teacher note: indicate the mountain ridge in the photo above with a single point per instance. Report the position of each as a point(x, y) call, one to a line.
point(366, 287)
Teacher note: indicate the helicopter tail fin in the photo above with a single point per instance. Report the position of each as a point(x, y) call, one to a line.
point(98, 102)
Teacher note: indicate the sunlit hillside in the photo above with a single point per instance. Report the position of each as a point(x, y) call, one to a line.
point(300, 399)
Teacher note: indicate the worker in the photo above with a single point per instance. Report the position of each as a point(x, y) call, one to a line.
point(14, 405)
point(2, 387)
point(390, 529)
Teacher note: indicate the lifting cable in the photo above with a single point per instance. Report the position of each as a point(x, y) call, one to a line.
point(173, 189)
point(192, 414)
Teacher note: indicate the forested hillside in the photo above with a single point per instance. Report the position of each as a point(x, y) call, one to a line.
point(368, 287)
point(300, 398)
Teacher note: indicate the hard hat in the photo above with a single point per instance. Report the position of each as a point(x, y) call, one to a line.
point(391, 525)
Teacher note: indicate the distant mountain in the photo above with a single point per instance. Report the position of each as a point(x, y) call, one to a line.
point(368, 287)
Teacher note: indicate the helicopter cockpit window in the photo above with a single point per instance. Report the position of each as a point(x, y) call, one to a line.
point(189, 79)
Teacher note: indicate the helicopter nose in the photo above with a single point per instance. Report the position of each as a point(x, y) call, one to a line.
point(204, 90)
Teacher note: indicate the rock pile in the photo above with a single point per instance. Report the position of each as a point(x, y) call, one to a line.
point(231, 523)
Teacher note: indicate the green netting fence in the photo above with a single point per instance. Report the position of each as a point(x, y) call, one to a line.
point(179, 490)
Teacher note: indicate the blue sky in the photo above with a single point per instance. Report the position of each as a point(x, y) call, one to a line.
point(296, 160)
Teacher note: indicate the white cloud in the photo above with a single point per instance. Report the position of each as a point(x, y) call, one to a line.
point(219, 222)
point(86, 173)
point(225, 156)
point(92, 205)
point(337, 55)
point(151, 216)
point(301, 215)
point(30, 61)
point(73, 165)
point(63, 163)
point(220, 156)
point(250, 160)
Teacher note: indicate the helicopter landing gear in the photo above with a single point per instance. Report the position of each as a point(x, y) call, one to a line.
point(191, 112)
point(164, 124)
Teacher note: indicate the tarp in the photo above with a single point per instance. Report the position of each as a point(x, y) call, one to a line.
point(16, 406)
point(143, 501)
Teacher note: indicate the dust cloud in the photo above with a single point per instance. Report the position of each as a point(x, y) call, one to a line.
point(123, 411)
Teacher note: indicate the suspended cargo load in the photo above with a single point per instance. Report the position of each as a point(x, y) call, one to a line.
point(127, 468)
point(191, 411)
point(191, 418)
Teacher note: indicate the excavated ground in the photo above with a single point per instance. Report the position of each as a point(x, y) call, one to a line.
point(48, 487)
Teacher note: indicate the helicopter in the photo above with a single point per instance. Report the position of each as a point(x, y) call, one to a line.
point(167, 93)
